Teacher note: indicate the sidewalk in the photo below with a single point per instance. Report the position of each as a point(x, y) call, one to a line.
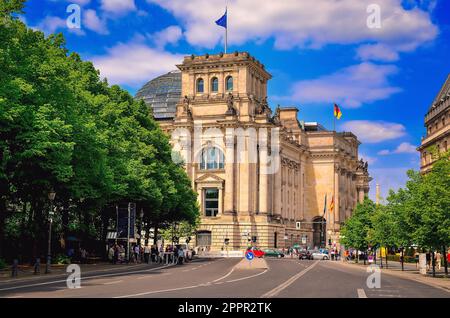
point(410, 272)
point(26, 272)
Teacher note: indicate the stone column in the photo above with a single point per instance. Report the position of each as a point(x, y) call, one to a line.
point(229, 174)
point(221, 203)
point(360, 195)
point(337, 183)
point(263, 179)
point(277, 191)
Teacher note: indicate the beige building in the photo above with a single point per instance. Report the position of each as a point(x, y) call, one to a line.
point(437, 123)
point(260, 177)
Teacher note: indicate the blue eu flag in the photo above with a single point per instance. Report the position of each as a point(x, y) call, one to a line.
point(223, 20)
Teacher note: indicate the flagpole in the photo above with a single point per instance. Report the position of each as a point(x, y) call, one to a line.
point(226, 31)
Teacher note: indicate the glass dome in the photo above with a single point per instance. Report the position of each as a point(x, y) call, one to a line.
point(162, 94)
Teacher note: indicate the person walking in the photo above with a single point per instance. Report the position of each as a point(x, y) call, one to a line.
point(83, 254)
point(180, 256)
point(416, 258)
point(136, 254)
point(428, 257)
point(438, 260)
point(111, 254)
point(147, 251)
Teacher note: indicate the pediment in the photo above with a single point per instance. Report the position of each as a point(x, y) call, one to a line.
point(207, 178)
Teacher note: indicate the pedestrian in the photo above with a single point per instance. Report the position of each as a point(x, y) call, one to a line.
point(111, 254)
point(332, 255)
point(416, 258)
point(83, 254)
point(137, 254)
point(438, 260)
point(180, 256)
point(428, 257)
point(147, 251)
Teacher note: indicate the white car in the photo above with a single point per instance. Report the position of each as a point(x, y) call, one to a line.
point(320, 256)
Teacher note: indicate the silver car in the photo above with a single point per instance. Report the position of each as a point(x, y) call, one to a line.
point(320, 255)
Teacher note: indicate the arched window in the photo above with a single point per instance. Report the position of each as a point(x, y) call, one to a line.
point(214, 85)
point(200, 85)
point(229, 83)
point(212, 158)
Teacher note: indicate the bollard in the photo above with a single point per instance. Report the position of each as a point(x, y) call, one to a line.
point(15, 266)
point(37, 266)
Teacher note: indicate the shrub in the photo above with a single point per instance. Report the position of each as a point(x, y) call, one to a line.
point(2, 263)
point(62, 259)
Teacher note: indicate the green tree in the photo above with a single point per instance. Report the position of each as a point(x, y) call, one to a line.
point(355, 231)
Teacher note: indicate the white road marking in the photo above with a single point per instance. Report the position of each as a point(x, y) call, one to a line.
point(113, 282)
point(82, 278)
point(238, 279)
point(225, 276)
point(290, 281)
point(361, 293)
point(187, 287)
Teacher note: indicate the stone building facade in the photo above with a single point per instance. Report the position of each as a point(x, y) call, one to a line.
point(261, 176)
point(437, 123)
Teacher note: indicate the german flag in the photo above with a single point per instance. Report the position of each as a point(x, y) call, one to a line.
point(337, 111)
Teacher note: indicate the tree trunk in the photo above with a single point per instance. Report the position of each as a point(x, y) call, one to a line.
point(2, 225)
point(433, 261)
point(381, 257)
point(65, 225)
point(444, 252)
point(386, 250)
point(365, 255)
point(402, 260)
point(155, 235)
point(357, 256)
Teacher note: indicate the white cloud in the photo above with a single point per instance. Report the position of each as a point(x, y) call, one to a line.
point(349, 87)
point(384, 152)
point(306, 23)
point(374, 131)
point(51, 23)
point(404, 147)
point(93, 22)
point(134, 63)
point(169, 35)
point(118, 7)
point(378, 52)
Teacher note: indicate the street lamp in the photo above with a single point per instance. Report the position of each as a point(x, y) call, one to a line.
point(51, 197)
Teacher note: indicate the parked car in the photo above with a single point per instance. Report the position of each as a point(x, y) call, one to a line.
point(273, 253)
point(320, 255)
point(256, 251)
point(305, 254)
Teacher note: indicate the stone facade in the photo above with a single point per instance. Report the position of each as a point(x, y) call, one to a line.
point(259, 176)
point(437, 123)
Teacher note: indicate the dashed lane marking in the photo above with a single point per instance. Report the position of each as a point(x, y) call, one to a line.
point(290, 281)
point(361, 293)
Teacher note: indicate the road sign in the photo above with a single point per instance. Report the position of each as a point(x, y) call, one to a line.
point(249, 255)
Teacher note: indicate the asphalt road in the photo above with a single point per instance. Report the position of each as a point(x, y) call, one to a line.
point(217, 278)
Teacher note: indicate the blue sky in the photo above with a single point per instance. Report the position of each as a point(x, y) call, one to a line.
point(318, 51)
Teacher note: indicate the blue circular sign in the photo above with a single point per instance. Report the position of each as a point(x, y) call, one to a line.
point(249, 255)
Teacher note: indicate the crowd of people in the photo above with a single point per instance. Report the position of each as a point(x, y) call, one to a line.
point(149, 254)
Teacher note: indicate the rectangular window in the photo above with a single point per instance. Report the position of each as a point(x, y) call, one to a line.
point(211, 201)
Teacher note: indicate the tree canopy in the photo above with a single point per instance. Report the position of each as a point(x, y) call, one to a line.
point(64, 128)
